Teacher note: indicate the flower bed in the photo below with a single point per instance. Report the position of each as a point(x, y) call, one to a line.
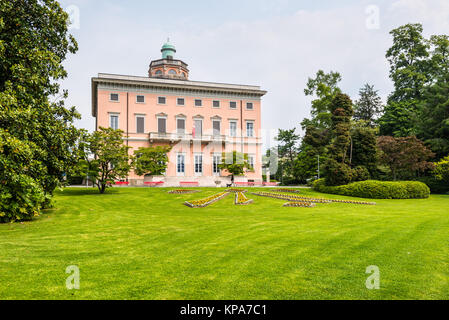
point(182, 191)
point(207, 201)
point(241, 199)
point(236, 190)
point(290, 197)
point(286, 190)
point(300, 204)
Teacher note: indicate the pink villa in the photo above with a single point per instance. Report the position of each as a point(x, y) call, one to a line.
point(200, 120)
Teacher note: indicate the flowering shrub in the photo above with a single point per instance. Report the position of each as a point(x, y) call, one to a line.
point(207, 201)
point(241, 199)
point(182, 191)
point(300, 204)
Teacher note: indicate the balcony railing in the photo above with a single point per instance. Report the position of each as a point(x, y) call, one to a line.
point(175, 137)
point(185, 136)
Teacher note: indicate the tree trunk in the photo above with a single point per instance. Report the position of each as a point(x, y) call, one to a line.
point(102, 188)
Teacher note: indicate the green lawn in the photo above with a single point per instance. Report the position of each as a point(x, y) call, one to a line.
point(144, 244)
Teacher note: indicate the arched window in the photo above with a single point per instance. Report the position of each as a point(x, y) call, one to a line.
point(159, 72)
point(172, 72)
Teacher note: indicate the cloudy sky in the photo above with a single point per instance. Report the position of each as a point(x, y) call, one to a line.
point(276, 44)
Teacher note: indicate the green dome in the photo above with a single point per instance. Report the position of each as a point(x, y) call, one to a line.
point(168, 50)
point(168, 46)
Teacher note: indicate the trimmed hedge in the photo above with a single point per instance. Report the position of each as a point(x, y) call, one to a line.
point(372, 189)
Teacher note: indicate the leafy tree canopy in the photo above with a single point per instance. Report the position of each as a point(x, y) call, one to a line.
point(34, 42)
point(151, 161)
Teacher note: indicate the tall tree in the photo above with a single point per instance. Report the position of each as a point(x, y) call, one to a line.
point(324, 87)
point(363, 151)
point(408, 58)
point(110, 162)
point(34, 42)
point(433, 126)
point(287, 151)
point(337, 168)
point(369, 106)
point(409, 71)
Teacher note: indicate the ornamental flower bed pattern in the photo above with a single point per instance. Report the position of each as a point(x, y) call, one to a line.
point(242, 200)
point(236, 190)
point(182, 191)
point(286, 190)
point(207, 201)
point(300, 204)
point(290, 197)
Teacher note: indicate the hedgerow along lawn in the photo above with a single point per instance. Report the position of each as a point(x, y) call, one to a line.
point(145, 244)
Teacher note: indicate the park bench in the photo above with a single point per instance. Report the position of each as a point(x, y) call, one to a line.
point(121, 183)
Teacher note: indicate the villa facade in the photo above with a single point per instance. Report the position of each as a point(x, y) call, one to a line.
point(200, 120)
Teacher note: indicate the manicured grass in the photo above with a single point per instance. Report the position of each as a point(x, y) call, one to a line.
point(145, 244)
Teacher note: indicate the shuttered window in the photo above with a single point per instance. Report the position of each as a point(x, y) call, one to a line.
point(217, 127)
point(140, 124)
point(162, 125)
point(181, 126)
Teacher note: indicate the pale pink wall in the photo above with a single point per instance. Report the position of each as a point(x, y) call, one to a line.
point(150, 109)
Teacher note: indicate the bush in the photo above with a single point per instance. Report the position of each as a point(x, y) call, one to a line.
point(20, 199)
point(436, 186)
point(377, 189)
point(337, 173)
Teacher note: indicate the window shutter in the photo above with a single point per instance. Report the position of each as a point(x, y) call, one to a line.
point(140, 125)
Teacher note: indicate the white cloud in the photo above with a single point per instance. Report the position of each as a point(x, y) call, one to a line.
point(279, 53)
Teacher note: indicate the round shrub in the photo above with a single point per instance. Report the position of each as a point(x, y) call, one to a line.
point(20, 199)
point(377, 189)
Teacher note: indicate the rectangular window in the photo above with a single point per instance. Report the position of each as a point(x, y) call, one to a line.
point(198, 103)
point(249, 106)
point(140, 124)
point(250, 129)
point(113, 121)
point(216, 127)
point(233, 105)
point(181, 164)
point(233, 128)
point(162, 125)
point(140, 99)
point(198, 130)
point(198, 164)
point(161, 100)
point(114, 97)
point(251, 163)
point(216, 104)
point(216, 163)
point(181, 102)
point(181, 126)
